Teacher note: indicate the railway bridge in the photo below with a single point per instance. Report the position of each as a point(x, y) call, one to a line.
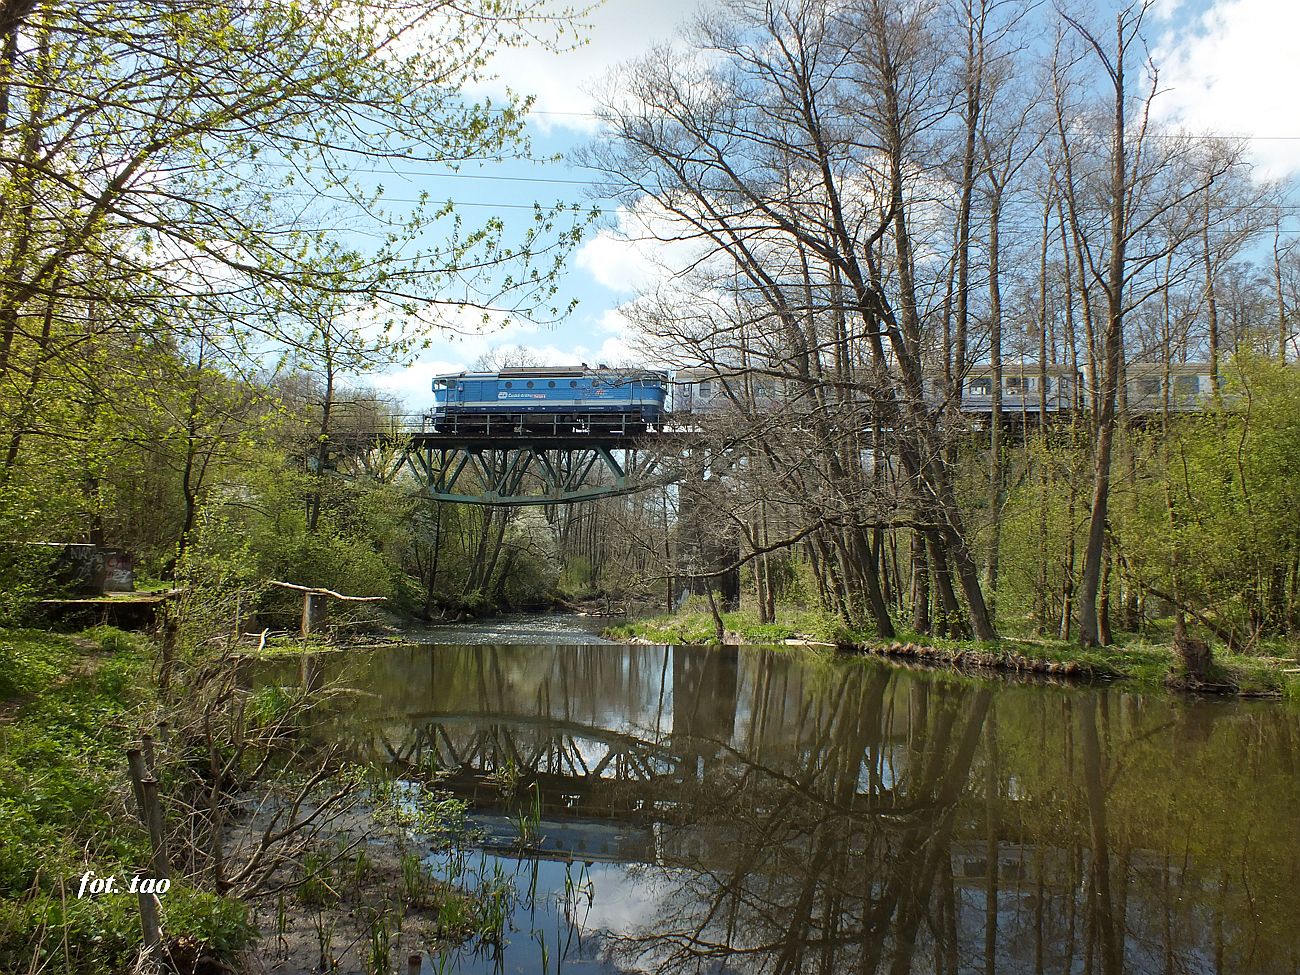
point(551, 436)
point(519, 464)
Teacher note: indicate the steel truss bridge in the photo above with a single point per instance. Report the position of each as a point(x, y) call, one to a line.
point(536, 468)
point(513, 460)
point(518, 463)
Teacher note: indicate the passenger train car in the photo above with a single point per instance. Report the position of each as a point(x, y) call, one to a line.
point(1060, 391)
point(554, 399)
point(1184, 387)
point(583, 399)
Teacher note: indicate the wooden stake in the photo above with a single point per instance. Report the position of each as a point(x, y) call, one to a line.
point(414, 963)
point(136, 769)
point(154, 820)
point(145, 788)
point(151, 929)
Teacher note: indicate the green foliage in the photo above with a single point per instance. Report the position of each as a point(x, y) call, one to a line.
point(269, 703)
point(316, 884)
point(26, 575)
point(94, 935)
point(113, 640)
point(60, 760)
point(62, 810)
point(1211, 521)
point(694, 625)
point(416, 880)
point(413, 807)
point(30, 660)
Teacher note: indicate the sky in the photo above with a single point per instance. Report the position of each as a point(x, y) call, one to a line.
point(1227, 67)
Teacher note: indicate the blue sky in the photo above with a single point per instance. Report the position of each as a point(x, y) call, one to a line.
point(1229, 67)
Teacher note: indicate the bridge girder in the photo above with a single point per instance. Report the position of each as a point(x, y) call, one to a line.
point(532, 471)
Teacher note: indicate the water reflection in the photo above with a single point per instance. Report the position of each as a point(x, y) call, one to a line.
point(756, 811)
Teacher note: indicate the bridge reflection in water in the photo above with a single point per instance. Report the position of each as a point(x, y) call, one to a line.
point(759, 811)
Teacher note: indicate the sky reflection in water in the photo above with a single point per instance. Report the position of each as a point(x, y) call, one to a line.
point(755, 811)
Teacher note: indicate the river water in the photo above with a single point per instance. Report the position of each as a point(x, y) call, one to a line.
point(749, 810)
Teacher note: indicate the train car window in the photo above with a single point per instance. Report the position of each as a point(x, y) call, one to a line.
point(509, 385)
point(706, 388)
point(1186, 385)
point(981, 387)
point(1016, 385)
point(1148, 387)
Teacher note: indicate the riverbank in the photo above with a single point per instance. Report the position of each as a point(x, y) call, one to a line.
point(349, 886)
point(69, 707)
point(1147, 661)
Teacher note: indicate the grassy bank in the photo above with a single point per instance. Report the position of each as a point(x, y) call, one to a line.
point(1149, 661)
point(69, 705)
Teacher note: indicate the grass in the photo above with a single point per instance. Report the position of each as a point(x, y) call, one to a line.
point(69, 705)
point(695, 626)
point(1148, 660)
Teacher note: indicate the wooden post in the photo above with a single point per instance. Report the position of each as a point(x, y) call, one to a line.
point(313, 603)
point(313, 612)
point(167, 646)
point(151, 929)
point(154, 820)
point(146, 748)
point(414, 963)
point(135, 766)
point(145, 788)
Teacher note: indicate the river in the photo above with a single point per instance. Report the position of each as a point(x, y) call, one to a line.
point(750, 810)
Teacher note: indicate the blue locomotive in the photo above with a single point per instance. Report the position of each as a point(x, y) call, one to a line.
point(550, 399)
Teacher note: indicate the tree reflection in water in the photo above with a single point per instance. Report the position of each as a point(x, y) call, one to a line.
point(793, 813)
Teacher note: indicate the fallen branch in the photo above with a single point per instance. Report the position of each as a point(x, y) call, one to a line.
point(317, 591)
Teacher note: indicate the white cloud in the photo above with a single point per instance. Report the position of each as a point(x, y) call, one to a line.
point(640, 251)
point(1234, 70)
point(622, 262)
point(619, 30)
